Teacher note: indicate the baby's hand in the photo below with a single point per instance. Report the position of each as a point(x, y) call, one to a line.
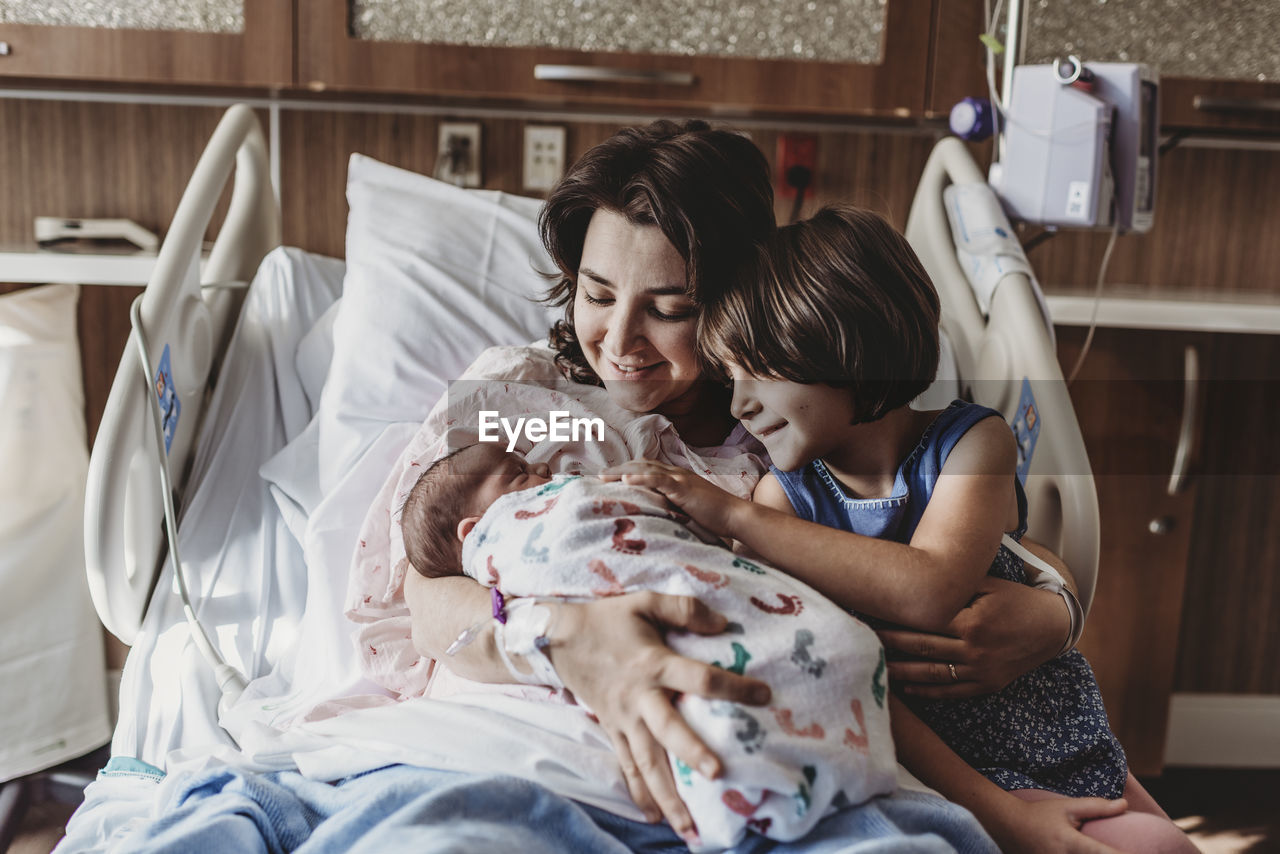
point(707, 504)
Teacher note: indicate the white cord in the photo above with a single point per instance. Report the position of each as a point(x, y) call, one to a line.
point(229, 680)
point(991, 75)
point(1097, 301)
point(998, 112)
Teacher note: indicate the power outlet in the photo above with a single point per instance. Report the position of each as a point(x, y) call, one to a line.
point(543, 156)
point(458, 156)
point(796, 149)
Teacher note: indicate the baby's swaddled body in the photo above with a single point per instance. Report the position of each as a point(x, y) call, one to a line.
point(825, 737)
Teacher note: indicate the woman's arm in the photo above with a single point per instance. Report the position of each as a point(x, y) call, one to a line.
point(1051, 825)
point(610, 654)
point(442, 608)
point(1006, 630)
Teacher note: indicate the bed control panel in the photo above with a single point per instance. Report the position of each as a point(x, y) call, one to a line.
point(1026, 429)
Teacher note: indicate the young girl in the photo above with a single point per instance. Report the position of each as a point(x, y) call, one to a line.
point(894, 513)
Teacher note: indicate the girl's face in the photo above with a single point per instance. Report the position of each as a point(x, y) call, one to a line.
point(636, 325)
point(796, 423)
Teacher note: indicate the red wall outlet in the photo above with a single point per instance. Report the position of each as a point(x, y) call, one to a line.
point(796, 149)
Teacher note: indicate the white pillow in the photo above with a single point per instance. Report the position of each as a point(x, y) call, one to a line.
point(435, 274)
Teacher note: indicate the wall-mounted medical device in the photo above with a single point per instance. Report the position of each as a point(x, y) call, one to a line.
point(1080, 146)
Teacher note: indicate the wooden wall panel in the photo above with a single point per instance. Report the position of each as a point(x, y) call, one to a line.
point(316, 146)
point(260, 55)
point(1231, 617)
point(79, 159)
point(876, 169)
point(1128, 401)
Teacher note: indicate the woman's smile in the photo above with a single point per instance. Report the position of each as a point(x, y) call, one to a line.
point(633, 369)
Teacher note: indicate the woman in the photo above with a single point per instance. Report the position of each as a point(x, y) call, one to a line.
point(643, 229)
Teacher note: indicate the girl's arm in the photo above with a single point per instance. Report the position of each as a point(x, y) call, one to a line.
point(1006, 630)
point(923, 584)
point(1051, 825)
point(611, 655)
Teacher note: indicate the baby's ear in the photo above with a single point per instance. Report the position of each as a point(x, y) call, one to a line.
point(465, 526)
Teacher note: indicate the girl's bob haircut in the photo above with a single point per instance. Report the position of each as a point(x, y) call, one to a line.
point(839, 299)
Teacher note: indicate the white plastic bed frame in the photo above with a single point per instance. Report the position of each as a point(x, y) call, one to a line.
point(995, 354)
point(194, 315)
point(123, 516)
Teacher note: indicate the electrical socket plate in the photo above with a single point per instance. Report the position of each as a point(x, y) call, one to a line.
point(543, 156)
point(796, 149)
point(465, 130)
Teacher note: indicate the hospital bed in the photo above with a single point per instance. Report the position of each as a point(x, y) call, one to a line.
point(275, 432)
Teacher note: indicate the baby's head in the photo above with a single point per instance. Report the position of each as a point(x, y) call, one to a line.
point(839, 299)
point(451, 496)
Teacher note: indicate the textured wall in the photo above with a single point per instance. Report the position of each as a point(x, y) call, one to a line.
point(830, 30)
point(1224, 39)
point(201, 16)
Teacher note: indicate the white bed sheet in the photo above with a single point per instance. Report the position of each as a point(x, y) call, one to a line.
point(244, 565)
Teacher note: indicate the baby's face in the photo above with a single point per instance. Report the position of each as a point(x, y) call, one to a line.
point(501, 472)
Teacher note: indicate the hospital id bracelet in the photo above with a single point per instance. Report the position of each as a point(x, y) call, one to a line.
point(1047, 578)
point(1077, 619)
point(470, 633)
point(525, 634)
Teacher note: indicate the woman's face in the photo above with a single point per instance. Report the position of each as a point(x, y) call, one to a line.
point(636, 325)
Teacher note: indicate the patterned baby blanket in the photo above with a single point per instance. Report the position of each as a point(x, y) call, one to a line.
point(824, 740)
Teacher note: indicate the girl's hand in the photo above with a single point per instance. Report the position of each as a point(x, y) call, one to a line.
point(610, 653)
point(1006, 630)
point(1052, 826)
point(708, 505)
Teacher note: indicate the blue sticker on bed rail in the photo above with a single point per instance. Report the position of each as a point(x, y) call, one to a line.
point(1026, 429)
point(170, 406)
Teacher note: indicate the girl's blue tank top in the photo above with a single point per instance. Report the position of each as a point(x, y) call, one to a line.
point(818, 497)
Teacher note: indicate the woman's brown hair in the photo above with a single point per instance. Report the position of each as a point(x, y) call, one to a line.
point(708, 191)
point(839, 299)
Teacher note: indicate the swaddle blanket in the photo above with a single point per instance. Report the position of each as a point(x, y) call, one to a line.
point(825, 739)
point(515, 381)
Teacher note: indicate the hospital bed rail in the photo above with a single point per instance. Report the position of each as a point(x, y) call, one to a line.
point(995, 354)
point(188, 317)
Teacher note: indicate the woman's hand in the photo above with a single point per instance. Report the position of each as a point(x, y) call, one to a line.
point(1006, 630)
point(707, 504)
point(610, 653)
point(1052, 826)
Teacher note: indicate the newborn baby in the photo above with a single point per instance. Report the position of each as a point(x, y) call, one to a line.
point(824, 739)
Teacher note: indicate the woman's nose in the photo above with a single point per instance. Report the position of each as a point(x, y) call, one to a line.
point(542, 470)
point(624, 334)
